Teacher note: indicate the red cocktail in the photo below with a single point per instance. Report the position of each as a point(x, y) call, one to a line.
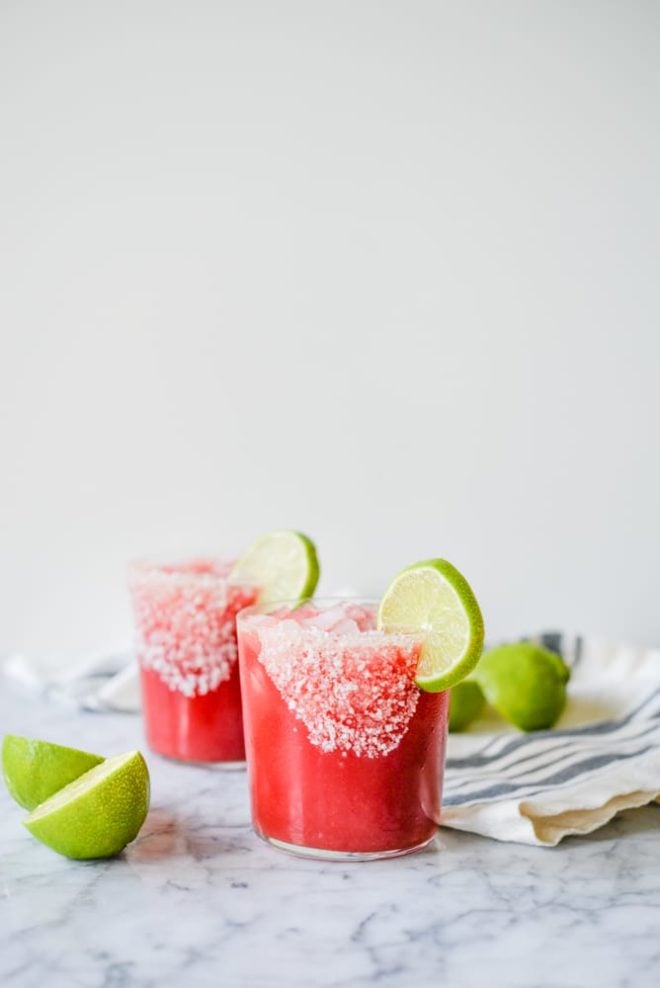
point(345, 753)
point(185, 616)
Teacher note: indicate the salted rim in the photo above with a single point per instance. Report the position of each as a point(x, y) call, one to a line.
point(176, 571)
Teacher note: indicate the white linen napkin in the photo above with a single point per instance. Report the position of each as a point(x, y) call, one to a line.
point(99, 681)
point(601, 758)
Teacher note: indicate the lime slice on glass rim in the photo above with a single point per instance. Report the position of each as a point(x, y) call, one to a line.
point(99, 813)
point(282, 564)
point(34, 770)
point(434, 598)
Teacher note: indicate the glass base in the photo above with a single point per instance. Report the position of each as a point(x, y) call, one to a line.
point(222, 766)
point(322, 854)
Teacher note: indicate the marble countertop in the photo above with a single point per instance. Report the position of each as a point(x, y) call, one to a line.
point(199, 900)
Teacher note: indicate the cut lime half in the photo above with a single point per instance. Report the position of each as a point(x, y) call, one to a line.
point(97, 815)
point(432, 597)
point(34, 770)
point(282, 565)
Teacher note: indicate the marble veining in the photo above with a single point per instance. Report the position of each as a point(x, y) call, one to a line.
point(199, 900)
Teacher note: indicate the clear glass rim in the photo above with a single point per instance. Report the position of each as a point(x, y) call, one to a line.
point(325, 603)
point(293, 603)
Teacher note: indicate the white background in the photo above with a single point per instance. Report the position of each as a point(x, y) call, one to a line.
point(385, 272)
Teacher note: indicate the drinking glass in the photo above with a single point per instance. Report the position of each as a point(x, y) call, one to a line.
point(345, 753)
point(185, 621)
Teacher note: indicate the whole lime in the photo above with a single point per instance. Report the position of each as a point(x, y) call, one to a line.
point(466, 702)
point(563, 670)
point(525, 683)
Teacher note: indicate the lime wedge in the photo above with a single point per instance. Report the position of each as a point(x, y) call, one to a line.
point(283, 565)
point(433, 598)
point(99, 813)
point(34, 770)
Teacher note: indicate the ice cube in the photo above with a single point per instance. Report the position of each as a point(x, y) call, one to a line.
point(345, 627)
point(301, 614)
point(288, 628)
point(364, 617)
point(261, 620)
point(325, 620)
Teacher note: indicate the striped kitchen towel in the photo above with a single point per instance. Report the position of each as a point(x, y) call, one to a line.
point(601, 758)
